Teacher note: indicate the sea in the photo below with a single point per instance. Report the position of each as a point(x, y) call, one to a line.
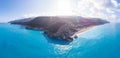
point(101, 41)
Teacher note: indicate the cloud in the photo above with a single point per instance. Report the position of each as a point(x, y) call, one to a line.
point(115, 3)
point(106, 9)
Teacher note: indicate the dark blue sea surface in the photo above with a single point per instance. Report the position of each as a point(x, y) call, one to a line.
point(98, 42)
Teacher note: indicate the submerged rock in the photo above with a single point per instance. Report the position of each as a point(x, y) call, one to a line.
point(60, 27)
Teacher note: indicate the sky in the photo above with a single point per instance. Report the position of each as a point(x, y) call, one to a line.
point(17, 9)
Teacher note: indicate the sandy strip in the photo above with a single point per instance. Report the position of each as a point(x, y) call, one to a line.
point(82, 30)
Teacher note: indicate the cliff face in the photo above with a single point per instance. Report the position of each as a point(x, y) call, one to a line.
point(63, 27)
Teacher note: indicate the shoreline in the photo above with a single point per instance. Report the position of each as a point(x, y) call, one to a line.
point(81, 30)
point(65, 28)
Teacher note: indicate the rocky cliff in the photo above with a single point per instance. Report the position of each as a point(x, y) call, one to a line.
point(60, 27)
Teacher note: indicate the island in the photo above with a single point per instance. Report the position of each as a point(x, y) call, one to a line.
point(64, 28)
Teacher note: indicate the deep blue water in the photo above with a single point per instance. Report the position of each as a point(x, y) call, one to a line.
point(99, 42)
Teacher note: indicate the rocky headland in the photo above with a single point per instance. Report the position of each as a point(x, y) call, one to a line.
point(60, 27)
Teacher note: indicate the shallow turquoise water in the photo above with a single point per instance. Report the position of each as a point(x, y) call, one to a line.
point(99, 42)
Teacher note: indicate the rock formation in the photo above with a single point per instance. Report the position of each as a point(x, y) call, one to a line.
point(60, 27)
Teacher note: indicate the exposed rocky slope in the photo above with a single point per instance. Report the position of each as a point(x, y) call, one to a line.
point(60, 27)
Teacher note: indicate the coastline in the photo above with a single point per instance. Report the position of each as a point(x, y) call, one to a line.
point(82, 30)
point(66, 28)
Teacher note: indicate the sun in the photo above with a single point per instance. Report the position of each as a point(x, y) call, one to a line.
point(64, 7)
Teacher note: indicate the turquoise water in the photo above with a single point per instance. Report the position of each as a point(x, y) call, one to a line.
point(99, 42)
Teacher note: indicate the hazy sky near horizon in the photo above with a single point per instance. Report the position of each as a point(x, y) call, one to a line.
point(15, 9)
point(12, 9)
